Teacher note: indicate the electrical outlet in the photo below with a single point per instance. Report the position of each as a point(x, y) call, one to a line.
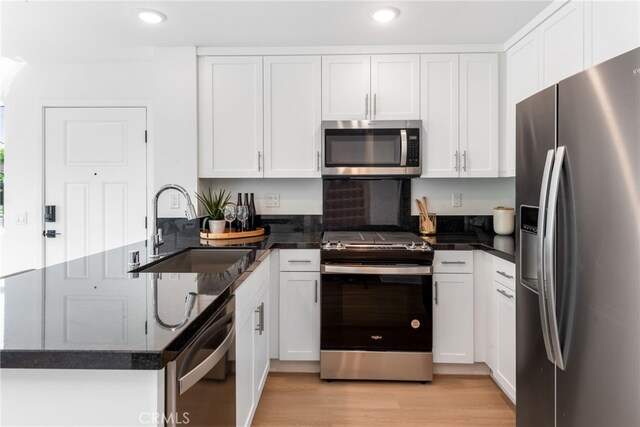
point(456, 200)
point(273, 200)
point(175, 201)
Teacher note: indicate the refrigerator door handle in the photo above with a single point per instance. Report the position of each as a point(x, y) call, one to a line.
point(550, 255)
point(542, 216)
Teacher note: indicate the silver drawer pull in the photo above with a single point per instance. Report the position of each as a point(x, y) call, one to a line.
point(502, 273)
point(504, 293)
point(299, 260)
point(454, 262)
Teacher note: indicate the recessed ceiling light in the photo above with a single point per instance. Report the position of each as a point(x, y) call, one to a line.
point(151, 16)
point(385, 14)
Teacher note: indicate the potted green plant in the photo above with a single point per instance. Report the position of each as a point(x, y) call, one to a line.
point(213, 204)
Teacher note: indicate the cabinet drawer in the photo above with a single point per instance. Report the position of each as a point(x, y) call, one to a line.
point(504, 272)
point(299, 260)
point(453, 262)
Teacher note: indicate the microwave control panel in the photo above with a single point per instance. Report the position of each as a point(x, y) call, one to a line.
point(413, 147)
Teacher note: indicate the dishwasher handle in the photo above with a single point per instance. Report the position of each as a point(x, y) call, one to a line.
point(186, 380)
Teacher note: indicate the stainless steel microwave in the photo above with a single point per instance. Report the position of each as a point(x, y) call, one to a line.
point(371, 148)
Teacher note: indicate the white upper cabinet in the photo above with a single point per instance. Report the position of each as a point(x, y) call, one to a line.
point(479, 115)
point(292, 116)
point(562, 43)
point(395, 87)
point(346, 81)
point(363, 87)
point(230, 117)
point(439, 114)
point(615, 29)
point(460, 115)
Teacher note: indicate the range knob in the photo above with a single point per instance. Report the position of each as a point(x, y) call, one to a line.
point(412, 246)
point(327, 245)
point(339, 245)
point(425, 246)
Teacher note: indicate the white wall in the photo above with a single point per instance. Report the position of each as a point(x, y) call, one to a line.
point(479, 195)
point(166, 86)
point(304, 196)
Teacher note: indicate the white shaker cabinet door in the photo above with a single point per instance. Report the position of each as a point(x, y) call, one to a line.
point(300, 316)
point(479, 115)
point(523, 80)
point(395, 87)
point(230, 137)
point(562, 44)
point(439, 114)
point(505, 364)
point(615, 29)
point(453, 318)
point(292, 116)
point(346, 83)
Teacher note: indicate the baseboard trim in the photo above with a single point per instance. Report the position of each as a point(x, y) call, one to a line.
point(461, 369)
point(300, 366)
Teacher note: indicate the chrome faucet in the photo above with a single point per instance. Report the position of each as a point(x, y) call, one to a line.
point(190, 212)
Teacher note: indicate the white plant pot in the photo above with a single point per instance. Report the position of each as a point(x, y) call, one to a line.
point(217, 225)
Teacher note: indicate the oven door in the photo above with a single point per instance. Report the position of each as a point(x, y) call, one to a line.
point(376, 311)
point(371, 152)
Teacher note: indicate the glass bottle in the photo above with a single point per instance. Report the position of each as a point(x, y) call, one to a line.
point(247, 223)
point(252, 213)
point(237, 223)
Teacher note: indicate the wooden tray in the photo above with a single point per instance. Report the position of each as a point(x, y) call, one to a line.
point(232, 234)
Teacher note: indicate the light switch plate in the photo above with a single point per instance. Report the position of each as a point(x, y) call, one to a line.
point(175, 201)
point(456, 200)
point(21, 219)
point(273, 200)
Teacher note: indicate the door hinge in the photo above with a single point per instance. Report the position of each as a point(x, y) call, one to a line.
point(145, 136)
point(145, 327)
point(145, 223)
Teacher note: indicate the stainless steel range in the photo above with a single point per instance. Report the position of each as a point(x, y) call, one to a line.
point(376, 306)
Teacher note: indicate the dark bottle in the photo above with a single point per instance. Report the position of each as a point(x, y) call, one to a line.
point(248, 221)
point(237, 224)
point(252, 213)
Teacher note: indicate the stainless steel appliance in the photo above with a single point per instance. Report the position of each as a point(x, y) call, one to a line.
point(371, 148)
point(200, 380)
point(578, 274)
point(376, 306)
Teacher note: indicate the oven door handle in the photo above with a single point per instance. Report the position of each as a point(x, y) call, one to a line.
point(396, 270)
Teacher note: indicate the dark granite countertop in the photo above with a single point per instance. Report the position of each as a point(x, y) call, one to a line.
point(90, 313)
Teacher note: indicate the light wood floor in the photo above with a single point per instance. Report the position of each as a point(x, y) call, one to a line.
point(305, 400)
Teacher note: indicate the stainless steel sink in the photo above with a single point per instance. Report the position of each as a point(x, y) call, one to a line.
point(197, 261)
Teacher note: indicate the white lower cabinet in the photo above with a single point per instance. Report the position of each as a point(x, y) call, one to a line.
point(252, 342)
point(505, 363)
point(453, 318)
point(300, 315)
point(453, 307)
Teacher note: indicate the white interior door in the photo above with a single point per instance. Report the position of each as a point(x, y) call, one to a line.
point(95, 176)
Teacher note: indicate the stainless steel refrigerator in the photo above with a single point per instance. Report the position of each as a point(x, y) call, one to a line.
point(578, 263)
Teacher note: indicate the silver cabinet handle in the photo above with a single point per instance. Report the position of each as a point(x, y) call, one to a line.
point(318, 161)
point(454, 262)
point(299, 260)
point(464, 160)
point(259, 161)
point(542, 215)
point(502, 273)
point(457, 161)
point(366, 105)
point(375, 107)
point(550, 256)
point(435, 287)
point(316, 291)
point(504, 293)
point(403, 147)
point(260, 311)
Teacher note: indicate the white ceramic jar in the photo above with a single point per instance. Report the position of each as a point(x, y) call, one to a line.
point(503, 220)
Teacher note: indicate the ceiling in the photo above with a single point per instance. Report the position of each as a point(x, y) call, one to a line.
point(98, 31)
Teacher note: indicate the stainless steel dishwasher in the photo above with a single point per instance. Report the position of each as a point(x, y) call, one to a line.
point(200, 381)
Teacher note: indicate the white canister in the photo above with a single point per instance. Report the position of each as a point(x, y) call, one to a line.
point(503, 220)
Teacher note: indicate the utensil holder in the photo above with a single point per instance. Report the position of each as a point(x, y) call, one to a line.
point(424, 224)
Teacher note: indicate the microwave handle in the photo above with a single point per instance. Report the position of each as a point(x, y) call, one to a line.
point(403, 147)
